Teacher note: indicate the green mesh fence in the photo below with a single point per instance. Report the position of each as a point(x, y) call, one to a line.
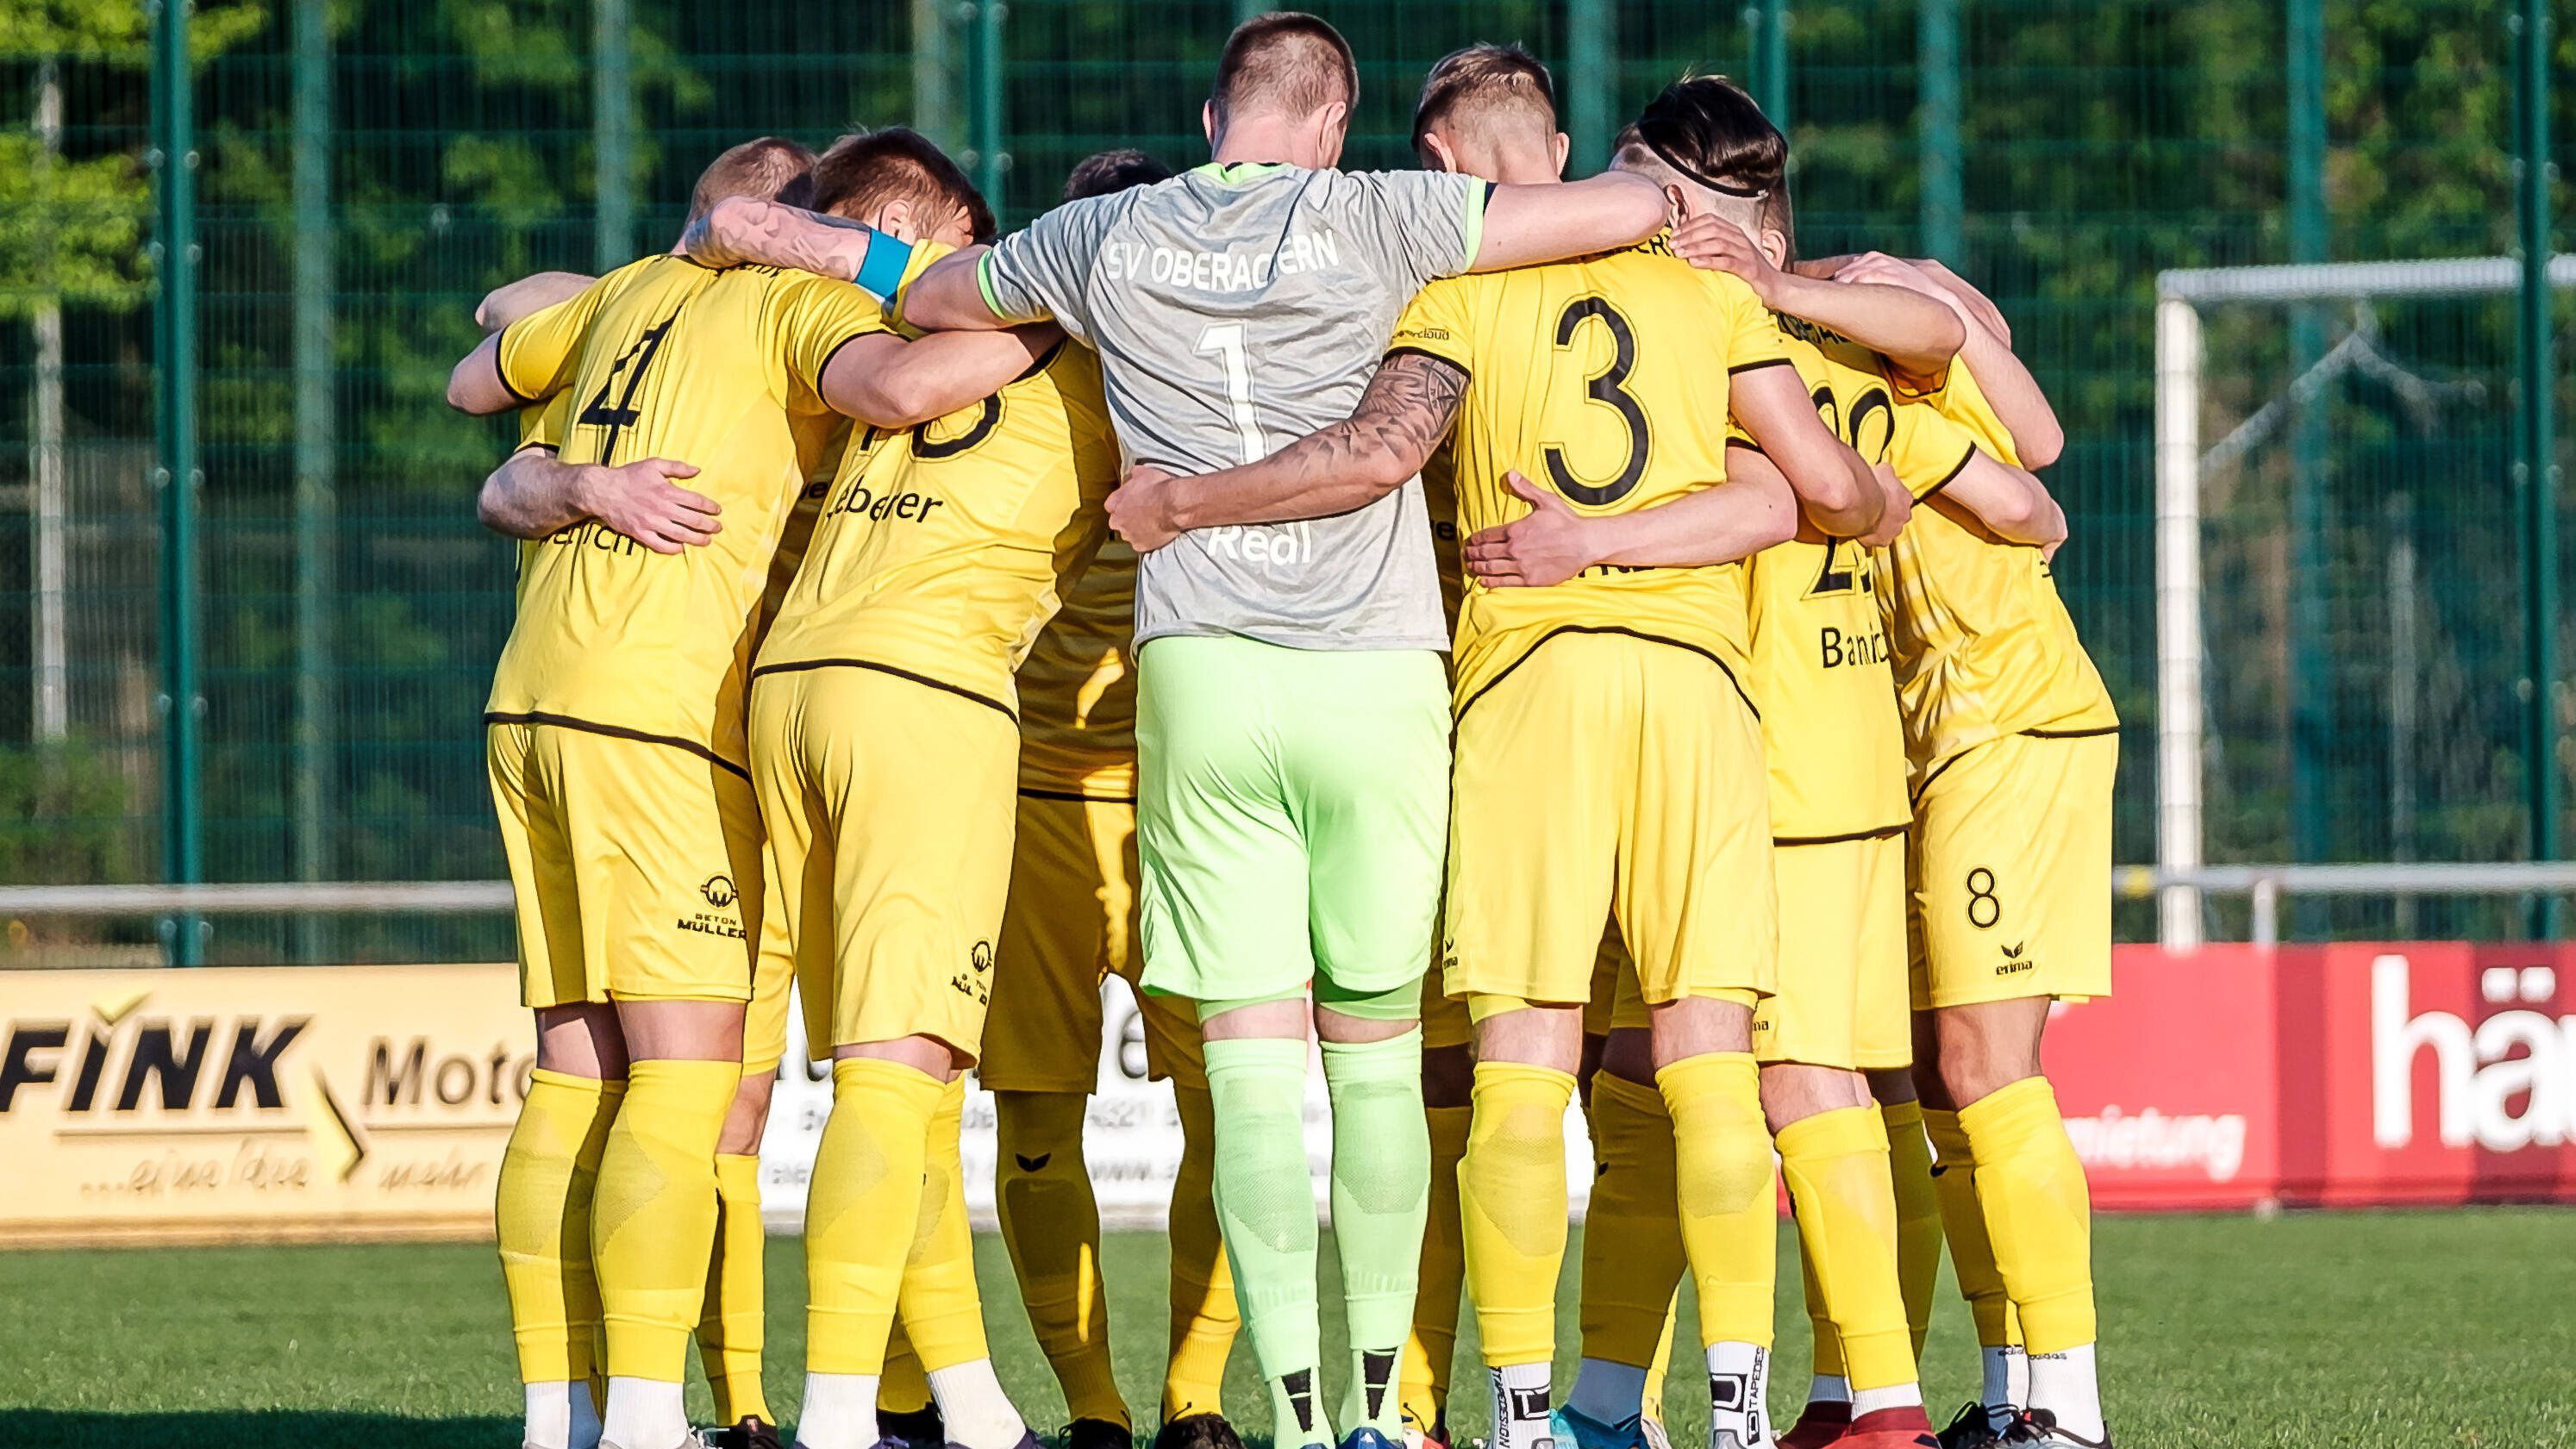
point(370, 168)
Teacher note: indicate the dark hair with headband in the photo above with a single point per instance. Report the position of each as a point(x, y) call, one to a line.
point(1710, 132)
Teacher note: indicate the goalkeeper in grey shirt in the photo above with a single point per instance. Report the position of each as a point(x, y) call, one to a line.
point(1292, 710)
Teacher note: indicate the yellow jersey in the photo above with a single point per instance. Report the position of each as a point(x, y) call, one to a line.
point(541, 424)
point(945, 549)
point(1832, 737)
point(1078, 688)
point(667, 358)
point(1440, 501)
point(1983, 647)
point(1606, 379)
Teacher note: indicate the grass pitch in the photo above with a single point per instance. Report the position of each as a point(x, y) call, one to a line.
point(2454, 1329)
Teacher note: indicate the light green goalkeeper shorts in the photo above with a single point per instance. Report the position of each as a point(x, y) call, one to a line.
point(1292, 814)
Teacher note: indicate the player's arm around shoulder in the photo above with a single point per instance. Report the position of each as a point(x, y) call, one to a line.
point(529, 358)
point(881, 379)
point(2010, 502)
point(1406, 411)
point(2010, 390)
point(1837, 488)
point(1526, 225)
point(1750, 510)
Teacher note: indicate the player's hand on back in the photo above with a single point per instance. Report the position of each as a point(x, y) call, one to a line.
point(1716, 245)
point(1548, 545)
point(641, 501)
point(1900, 507)
point(1140, 509)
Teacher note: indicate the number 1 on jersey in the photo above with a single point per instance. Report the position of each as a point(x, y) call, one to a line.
point(1226, 340)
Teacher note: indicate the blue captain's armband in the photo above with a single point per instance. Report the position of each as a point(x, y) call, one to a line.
point(881, 271)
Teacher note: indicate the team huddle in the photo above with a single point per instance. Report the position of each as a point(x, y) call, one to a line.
point(944, 623)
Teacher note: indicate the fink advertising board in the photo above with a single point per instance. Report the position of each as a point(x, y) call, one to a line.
point(373, 1102)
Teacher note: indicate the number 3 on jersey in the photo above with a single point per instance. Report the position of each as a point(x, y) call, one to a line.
point(1609, 387)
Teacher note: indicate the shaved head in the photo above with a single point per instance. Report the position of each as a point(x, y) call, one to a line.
point(1285, 63)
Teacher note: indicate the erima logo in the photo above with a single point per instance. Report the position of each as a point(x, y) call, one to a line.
point(2015, 962)
point(2515, 1058)
point(1033, 1164)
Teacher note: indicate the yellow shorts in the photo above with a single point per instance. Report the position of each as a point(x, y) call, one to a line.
point(1842, 1000)
point(764, 1022)
point(2011, 869)
point(1071, 924)
point(1444, 1017)
point(1607, 777)
point(888, 804)
point(634, 864)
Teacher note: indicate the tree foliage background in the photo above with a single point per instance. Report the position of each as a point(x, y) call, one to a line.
point(2102, 142)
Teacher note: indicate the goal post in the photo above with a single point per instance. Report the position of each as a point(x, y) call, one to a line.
point(2182, 464)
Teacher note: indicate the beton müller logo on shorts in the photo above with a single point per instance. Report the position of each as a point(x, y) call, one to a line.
point(718, 891)
point(976, 982)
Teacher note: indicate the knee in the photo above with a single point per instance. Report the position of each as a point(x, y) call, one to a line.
point(1968, 1076)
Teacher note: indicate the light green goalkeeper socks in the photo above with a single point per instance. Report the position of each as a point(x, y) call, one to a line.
point(1381, 1199)
point(1265, 1207)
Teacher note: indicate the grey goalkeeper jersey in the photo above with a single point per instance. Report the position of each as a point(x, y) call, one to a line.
point(1236, 309)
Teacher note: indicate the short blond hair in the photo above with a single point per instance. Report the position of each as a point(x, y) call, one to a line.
point(1489, 88)
point(766, 168)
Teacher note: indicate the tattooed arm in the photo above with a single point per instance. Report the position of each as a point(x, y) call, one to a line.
point(1351, 464)
point(739, 231)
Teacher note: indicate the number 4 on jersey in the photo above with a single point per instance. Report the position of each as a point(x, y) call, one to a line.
point(617, 419)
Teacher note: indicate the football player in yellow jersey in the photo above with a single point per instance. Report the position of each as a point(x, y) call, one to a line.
point(1608, 760)
point(616, 723)
point(883, 179)
point(885, 750)
point(2012, 743)
point(1070, 922)
point(1838, 806)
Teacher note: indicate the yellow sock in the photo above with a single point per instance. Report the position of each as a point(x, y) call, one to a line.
point(2039, 1213)
point(1828, 1356)
point(653, 1218)
point(1511, 1200)
point(1918, 1216)
point(1963, 1226)
point(1204, 1318)
point(542, 1217)
point(1836, 1166)
point(731, 1330)
point(867, 1182)
point(1723, 1186)
point(1433, 1349)
point(1632, 1239)
point(903, 1388)
point(942, 1312)
point(1051, 1224)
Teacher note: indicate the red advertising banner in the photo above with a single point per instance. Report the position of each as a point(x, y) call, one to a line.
point(2417, 1073)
